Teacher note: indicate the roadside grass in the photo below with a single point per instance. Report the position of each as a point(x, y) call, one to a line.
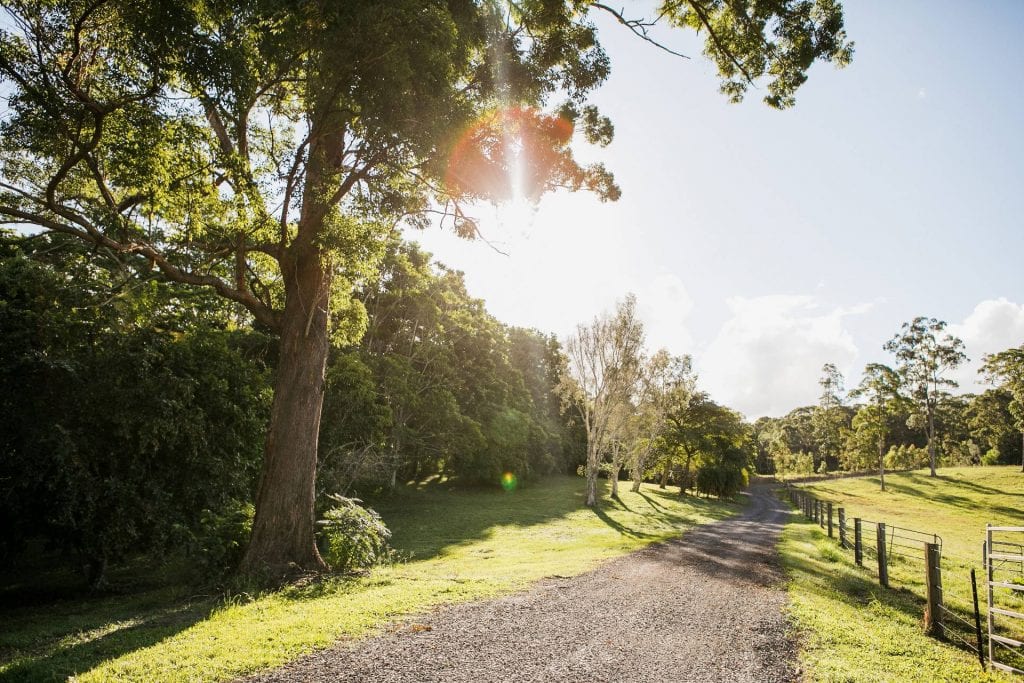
point(853, 630)
point(956, 505)
point(459, 544)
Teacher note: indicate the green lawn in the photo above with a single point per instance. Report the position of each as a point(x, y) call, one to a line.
point(460, 545)
point(856, 631)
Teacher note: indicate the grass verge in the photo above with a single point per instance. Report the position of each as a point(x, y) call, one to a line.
point(853, 629)
point(462, 545)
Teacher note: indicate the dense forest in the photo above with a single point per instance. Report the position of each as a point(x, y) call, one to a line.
point(136, 408)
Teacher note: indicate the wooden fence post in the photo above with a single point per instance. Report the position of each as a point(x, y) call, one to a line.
point(830, 519)
point(821, 514)
point(933, 591)
point(842, 528)
point(883, 563)
point(858, 542)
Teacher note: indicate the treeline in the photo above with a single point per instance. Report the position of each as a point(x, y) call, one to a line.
point(135, 410)
point(904, 416)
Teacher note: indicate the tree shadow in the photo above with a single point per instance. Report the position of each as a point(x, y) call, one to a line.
point(951, 499)
point(88, 634)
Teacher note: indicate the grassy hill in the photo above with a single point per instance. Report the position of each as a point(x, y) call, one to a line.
point(460, 544)
point(856, 631)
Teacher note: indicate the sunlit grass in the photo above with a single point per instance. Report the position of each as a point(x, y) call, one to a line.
point(462, 545)
point(832, 598)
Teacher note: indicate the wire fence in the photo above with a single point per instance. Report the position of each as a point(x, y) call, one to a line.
point(912, 558)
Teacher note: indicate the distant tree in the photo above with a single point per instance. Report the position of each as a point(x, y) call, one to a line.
point(603, 366)
point(922, 360)
point(880, 388)
point(829, 419)
point(704, 432)
point(993, 427)
point(665, 381)
point(1006, 369)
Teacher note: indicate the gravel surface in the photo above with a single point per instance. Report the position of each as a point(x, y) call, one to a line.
point(707, 607)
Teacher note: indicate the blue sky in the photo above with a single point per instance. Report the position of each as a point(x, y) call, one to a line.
point(766, 243)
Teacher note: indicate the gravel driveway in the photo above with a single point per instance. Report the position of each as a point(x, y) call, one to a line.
point(707, 607)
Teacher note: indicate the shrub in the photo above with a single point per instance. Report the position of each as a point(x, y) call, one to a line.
point(721, 479)
point(352, 537)
point(221, 538)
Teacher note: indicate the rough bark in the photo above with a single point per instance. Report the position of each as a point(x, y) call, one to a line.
point(283, 539)
point(615, 480)
point(664, 476)
point(283, 535)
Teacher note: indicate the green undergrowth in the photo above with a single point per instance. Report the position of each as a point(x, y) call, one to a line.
point(955, 505)
point(459, 545)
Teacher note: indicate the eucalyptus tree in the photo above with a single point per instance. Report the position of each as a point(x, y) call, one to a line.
point(828, 420)
point(923, 358)
point(1006, 369)
point(603, 366)
point(880, 387)
point(262, 149)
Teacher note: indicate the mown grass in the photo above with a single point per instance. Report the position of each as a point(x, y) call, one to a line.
point(460, 545)
point(855, 630)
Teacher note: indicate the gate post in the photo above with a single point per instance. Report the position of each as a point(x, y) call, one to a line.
point(933, 591)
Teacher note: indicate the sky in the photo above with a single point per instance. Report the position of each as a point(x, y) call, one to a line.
point(767, 243)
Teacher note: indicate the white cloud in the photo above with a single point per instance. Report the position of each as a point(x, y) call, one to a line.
point(993, 325)
point(767, 357)
point(664, 305)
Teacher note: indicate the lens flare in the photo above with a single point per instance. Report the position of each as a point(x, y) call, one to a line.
point(509, 153)
point(509, 481)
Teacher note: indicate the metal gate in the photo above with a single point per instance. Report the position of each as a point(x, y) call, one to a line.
point(1004, 574)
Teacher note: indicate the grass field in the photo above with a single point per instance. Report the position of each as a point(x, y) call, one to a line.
point(460, 545)
point(856, 631)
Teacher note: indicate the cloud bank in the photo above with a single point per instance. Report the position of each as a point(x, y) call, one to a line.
point(767, 358)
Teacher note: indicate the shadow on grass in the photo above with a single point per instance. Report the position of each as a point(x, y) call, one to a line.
point(56, 647)
point(928, 492)
point(841, 579)
point(426, 521)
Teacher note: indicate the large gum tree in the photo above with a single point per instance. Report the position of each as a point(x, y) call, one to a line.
point(264, 149)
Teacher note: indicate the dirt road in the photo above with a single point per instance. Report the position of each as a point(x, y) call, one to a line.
point(707, 607)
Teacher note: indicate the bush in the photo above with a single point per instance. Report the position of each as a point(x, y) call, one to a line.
point(721, 479)
point(353, 537)
point(221, 539)
point(906, 457)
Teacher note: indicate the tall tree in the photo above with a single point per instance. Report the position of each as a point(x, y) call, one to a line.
point(665, 381)
point(880, 387)
point(1006, 369)
point(262, 149)
point(922, 359)
point(829, 419)
point(604, 362)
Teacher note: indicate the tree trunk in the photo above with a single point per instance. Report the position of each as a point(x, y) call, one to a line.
point(664, 475)
point(638, 478)
point(591, 474)
point(1022, 451)
point(881, 462)
point(931, 441)
point(283, 539)
point(615, 480)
